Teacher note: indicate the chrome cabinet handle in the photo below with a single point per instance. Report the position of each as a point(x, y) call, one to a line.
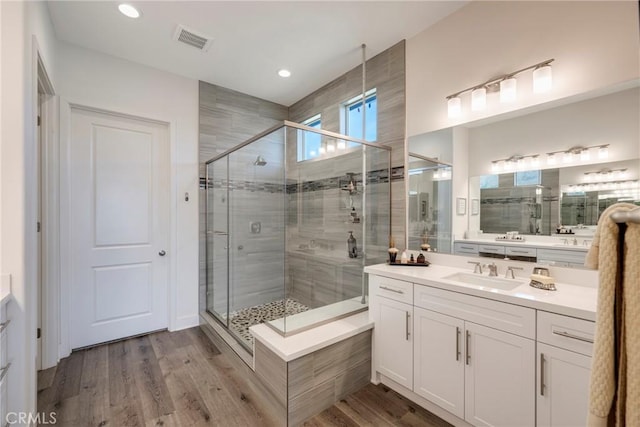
point(4, 371)
point(392, 290)
point(162, 253)
point(457, 343)
point(575, 337)
point(407, 325)
point(467, 347)
point(541, 374)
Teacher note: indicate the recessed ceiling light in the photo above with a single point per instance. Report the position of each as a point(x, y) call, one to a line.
point(128, 10)
point(284, 73)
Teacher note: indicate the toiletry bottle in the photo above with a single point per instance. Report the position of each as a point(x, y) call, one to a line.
point(404, 258)
point(351, 246)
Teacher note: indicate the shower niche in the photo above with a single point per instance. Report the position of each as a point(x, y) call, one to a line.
point(277, 230)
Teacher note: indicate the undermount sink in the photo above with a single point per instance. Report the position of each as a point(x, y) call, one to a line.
point(485, 281)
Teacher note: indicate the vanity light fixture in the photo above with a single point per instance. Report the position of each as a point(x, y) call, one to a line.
point(628, 185)
point(578, 152)
point(606, 175)
point(506, 84)
point(129, 11)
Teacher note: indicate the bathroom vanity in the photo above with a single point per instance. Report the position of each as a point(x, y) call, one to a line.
point(480, 350)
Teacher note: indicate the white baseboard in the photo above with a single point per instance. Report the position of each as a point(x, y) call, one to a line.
point(185, 322)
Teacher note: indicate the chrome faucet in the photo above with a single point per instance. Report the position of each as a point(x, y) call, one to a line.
point(575, 241)
point(493, 269)
point(477, 268)
point(510, 270)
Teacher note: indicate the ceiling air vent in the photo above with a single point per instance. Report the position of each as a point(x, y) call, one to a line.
point(192, 38)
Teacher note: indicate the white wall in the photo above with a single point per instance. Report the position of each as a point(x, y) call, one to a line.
point(96, 80)
point(595, 44)
point(24, 25)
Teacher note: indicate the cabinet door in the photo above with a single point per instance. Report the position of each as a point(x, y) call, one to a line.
point(499, 378)
point(393, 341)
point(563, 387)
point(438, 362)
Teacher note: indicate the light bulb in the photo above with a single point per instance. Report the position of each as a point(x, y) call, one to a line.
point(454, 107)
point(341, 144)
point(508, 89)
point(567, 157)
point(521, 163)
point(584, 155)
point(331, 147)
point(535, 161)
point(542, 80)
point(322, 149)
point(495, 166)
point(551, 159)
point(588, 177)
point(479, 99)
point(436, 174)
point(508, 165)
point(603, 152)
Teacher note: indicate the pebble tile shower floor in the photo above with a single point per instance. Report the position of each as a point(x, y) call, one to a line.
point(241, 320)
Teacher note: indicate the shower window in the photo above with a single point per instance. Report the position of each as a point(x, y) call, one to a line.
point(308, 142)
point(353, 117)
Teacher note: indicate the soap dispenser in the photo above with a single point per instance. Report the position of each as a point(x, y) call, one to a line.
point(351, 246)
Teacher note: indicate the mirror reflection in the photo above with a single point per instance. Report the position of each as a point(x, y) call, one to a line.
point(429, 204)
point(543, 175)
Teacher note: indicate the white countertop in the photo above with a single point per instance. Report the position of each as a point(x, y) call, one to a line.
point(528, 244)
point(303, 343)
point(570, 299)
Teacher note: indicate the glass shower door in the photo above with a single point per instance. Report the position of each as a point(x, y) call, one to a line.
point(218, 239)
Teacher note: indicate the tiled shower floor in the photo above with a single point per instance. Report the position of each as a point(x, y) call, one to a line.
point(241, 320)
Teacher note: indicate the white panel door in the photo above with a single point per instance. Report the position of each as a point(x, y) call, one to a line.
point(499, 378)
point(438, 362)
point(119, 225)
point(563, 387)
point(393, 338)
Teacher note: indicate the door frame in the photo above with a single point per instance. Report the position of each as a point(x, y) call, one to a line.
point(47, 259)
point(66, 107)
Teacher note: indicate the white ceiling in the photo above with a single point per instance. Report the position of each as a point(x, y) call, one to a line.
point(318, 41)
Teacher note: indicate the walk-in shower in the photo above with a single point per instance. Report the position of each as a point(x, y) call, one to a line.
point(277, 228)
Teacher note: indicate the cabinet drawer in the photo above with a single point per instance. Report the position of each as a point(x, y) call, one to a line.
point(499, 315)
point(465, 248)
point(491, 249)
point(520, 251)
point(394, 289)
point(562, 255)
point(566, 332)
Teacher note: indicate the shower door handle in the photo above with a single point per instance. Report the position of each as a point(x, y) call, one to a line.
point(162, 253)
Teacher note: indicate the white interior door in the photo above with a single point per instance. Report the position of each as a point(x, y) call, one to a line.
point(119, 227)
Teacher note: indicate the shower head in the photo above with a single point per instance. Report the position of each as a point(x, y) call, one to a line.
point(260, 161)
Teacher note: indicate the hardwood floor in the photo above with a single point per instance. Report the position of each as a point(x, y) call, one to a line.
point(182, 379)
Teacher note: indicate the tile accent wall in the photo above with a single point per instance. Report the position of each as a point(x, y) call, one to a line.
point(386, 73)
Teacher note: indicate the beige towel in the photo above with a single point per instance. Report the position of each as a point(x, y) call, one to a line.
point(604, 391)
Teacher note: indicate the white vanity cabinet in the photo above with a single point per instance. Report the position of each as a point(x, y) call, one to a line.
point(438, 359)
point(392, 312)
point(564, 349)
point(475, 357)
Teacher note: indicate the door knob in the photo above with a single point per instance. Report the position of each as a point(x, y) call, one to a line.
point(162, 253)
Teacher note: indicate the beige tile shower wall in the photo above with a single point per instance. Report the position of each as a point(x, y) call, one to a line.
point(386, 73)
point(228, 118)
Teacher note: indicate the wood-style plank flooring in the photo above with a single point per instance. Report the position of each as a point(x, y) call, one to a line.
point(181, 379)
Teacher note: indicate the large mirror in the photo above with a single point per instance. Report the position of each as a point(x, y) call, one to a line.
point(543, 175)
